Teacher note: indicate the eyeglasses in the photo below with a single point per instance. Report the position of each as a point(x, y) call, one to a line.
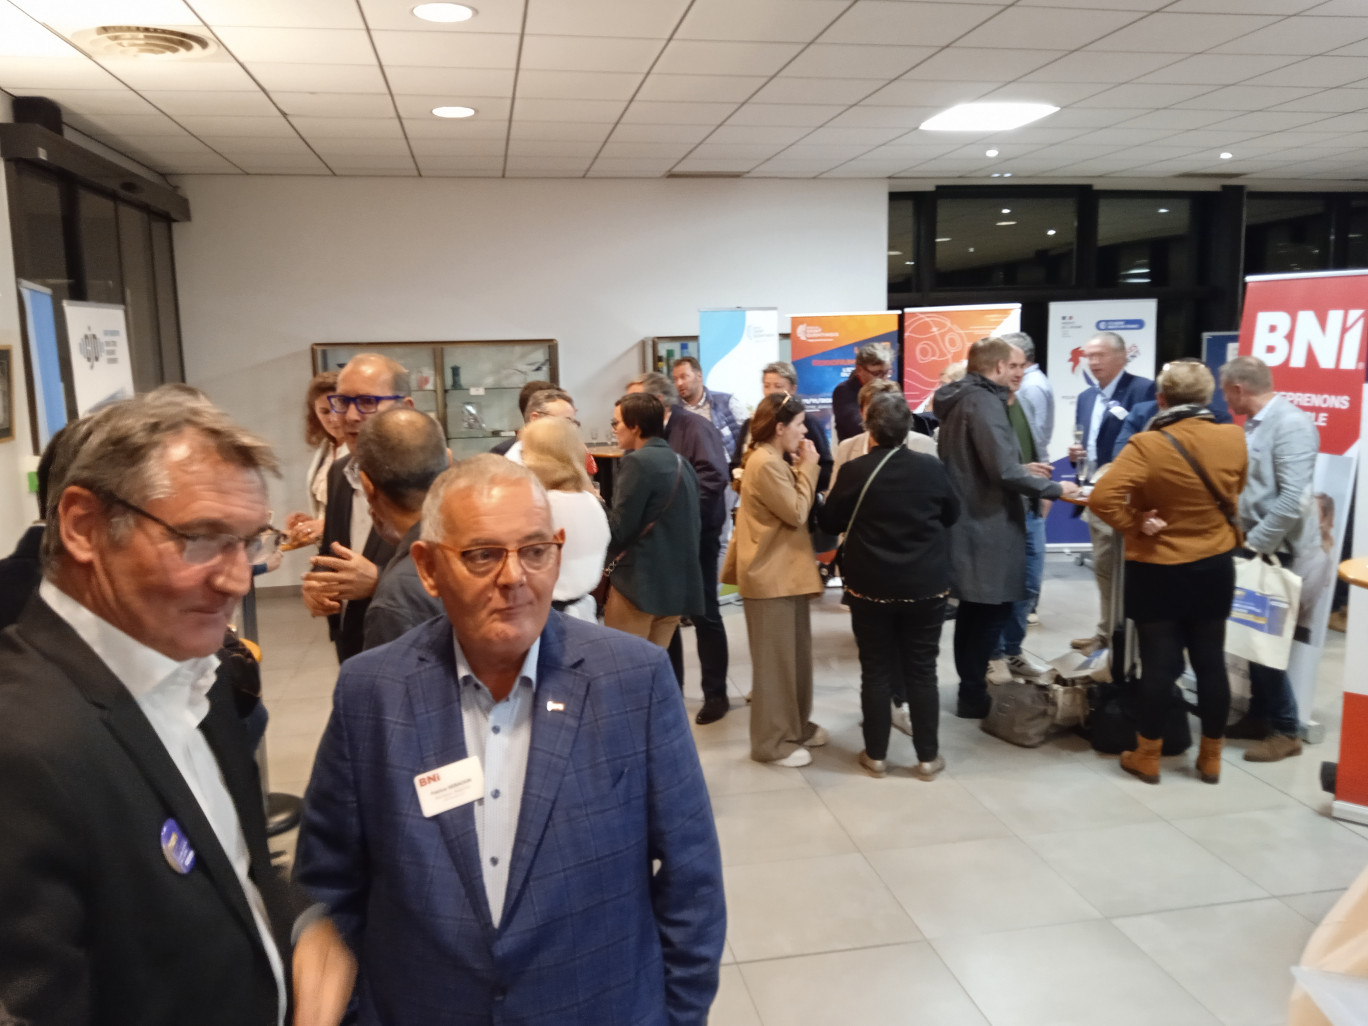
point(363, 403)
point(198, 549)
point(489, 559)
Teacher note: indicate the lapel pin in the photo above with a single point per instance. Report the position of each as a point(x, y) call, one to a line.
point(555, 706)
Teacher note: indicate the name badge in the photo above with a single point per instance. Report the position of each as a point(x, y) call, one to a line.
point(176, 848)
point(450, 786)
point(1119, 412)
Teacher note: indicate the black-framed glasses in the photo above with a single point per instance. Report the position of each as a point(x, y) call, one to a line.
point(363, 403)
point(198, 549)
point(486, 560)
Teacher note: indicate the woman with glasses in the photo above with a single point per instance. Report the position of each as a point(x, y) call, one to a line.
point(323, 431)
point(771, 562)
point(552, 449)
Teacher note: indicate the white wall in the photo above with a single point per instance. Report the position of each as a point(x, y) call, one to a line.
point(268, 265)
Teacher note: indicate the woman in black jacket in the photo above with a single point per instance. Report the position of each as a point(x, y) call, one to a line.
point(896, 570)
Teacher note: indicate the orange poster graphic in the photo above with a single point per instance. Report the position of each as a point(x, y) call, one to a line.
point(934, 337)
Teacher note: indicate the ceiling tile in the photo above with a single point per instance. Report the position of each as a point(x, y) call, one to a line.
point(1046, 28)
point(424, 149)
point(278, 13)
point(92, 101)
point(256, 148)
point(1357, 122)
point(688, 57)
point(334, 150)
point(1359, 49)
point(644, 112)
point(1159, 32)
point(846, 60)
point(883, 117)
point(456, 81)
point(700, 88)
point(198, 75)
point(1270, 121)
point(644, 166)
point(1245, 97)
point(50, 73)
point(560, 130)
point(548, 165)
point(905, 92)
point(742, 152)
point(419, 107)
point(307, 164)
point(784, 114)
point(347, 128)
point(1338, 101)
point(370, 162)
point(440, 165)
point(492, 16)
point(1138, 94)
point(401, 171)
point(1110, 5)
point(298, 45)
point(446, 49)
point(455, 128)
point(713, 165)
point(1097, 117)
point(783, 89)
point(204, 124)
point(166, 144)
point(1317, 71)
point(1091, 66)
point(1061, 94)
point(864, 167)
point(335, 105)
point(208, 164)
point(1176, 120)
point(582, 85)
point(319, 78)
point(966, 64)
point(551, 148)
point(1302, 35)
point(864, 137)
point(644, 19)
point(792, 21)
point(1243, 6)
point(927, 24)
point(645, 150)
point(1213, 69)
point(568, 110)
point(738, 134)
point(588, 53)
point(689, 134)
point(213, 102)
point(822, 151)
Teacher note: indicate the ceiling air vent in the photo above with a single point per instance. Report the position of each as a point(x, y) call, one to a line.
point(141, 41)
point(706, 174)
point(1210, 174)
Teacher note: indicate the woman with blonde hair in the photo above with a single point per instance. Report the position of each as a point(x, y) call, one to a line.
point(323, 431)
point(770, 559)
point(553, 450)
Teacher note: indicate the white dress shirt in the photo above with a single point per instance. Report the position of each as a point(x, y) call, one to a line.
point(1100, 407)
point(499, 734)
point(361, 522)
point(175, 699)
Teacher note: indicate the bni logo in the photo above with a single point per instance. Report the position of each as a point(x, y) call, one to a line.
point(1280, 338)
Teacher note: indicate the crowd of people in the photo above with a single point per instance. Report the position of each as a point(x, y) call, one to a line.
point(478, 689)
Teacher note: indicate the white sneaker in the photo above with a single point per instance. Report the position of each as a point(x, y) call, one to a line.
point(928, 770)
point(1032, 619)
point(998, 672)
point(819, 738)
point(796, 758)
point(902, 719)
point(1024, 666)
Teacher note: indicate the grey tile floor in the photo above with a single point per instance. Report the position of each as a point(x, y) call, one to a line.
point(1035, 887)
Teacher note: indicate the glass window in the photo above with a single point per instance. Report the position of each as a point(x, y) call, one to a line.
point(1357, 251)
point(902, 242)
point(1143, 240)
point(98, 252)
point(1285, 234)
point(168, 314)
point(140, 297)
point(1004, 241)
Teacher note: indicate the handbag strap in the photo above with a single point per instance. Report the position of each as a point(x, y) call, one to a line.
point(868, 481)
point(679, 469)
point(1222, 503)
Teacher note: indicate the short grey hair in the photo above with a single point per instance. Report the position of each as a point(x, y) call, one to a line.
point(1249, 371)
point(123, 454)
point(887, 419)
point(1022, 341)
point(402, 450)
point(540, 402)
point(784, 369)
point(656, 384)
point(1112, 339)
point(479, 471)
point(871, 353)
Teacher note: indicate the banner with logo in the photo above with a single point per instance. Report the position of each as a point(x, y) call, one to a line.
point(822, 348)
point(934, 337)
point(100, 369)
point(1308, 328)
point(44, 363)
point(1071, 325)
point(733, 347)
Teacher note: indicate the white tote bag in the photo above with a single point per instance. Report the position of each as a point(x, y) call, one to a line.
point(1263, 616)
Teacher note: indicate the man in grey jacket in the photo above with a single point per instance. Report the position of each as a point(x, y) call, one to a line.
point(1279, 516)
point(988, 542)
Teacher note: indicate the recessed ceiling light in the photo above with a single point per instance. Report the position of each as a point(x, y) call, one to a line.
point(990, 153)
point(1006, 210)
point(454, 112)
point(1050, 232)
point(444, 12)
point(1163, 210)
point(987, 117)
point(944, 239)
point(1004, 224)
point(1227, 156)
point(1006, 174)
point(971, 249)
point(895, 252)
point(996, 174)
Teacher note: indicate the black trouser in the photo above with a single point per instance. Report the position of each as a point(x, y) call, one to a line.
point(709, 631)
point(898, 643)
point(1161, 663)
point(978, 626)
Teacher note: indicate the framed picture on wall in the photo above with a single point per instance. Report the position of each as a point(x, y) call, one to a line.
point(6, 394)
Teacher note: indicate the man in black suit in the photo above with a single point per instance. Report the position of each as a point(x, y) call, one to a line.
point(135, 880)
point(872, 360)
point(351, 551)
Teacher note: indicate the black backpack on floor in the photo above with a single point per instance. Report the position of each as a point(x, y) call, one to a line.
point(1111, 722)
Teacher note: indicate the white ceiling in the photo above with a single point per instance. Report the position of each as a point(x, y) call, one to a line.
point(768, 88)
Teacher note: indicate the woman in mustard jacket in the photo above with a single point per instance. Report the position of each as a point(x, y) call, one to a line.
point(770, 559)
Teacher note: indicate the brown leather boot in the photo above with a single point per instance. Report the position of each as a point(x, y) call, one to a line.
point(1209, 760)
point(1144, 761)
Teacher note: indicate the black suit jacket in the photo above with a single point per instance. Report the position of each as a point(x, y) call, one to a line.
point(845, 408)
point(698, 441)
point(348, 628)
point(97, 927)
point(20, 574)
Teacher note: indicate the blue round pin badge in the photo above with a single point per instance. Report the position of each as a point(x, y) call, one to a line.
point(176, 847)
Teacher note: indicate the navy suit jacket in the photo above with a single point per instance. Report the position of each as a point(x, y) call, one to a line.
point(1130, 391)
point(1142, 413)
point(589, 934)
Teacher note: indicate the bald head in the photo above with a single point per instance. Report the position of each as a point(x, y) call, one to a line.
point(402, 451)
point(371, 381)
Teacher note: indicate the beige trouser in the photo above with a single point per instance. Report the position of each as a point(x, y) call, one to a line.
point(780, 637)
point(1104, 556)
point(620, 614)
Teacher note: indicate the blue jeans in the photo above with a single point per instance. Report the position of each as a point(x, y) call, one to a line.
point(1014, 631)
point(1271, 699)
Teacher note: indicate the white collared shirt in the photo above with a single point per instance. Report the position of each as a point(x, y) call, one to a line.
point(361, 522)
point(1100, 406)
point(175, 699)
point(499, 734)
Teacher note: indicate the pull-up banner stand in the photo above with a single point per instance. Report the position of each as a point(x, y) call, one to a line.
point(823, 350)
point(934, 337)
point(733, 347)
point(1308, 328)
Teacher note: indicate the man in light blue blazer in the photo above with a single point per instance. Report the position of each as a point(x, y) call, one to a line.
point(1279, 515)
point(507, 816)
point(1101, 411)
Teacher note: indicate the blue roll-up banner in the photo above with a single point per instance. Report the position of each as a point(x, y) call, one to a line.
point(733, 347)
point(44, 361)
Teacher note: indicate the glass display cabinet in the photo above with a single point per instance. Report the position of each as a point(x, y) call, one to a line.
point(470, 388)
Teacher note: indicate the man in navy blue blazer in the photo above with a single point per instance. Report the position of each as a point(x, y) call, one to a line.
point(1101, 412)
point(507, 816)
